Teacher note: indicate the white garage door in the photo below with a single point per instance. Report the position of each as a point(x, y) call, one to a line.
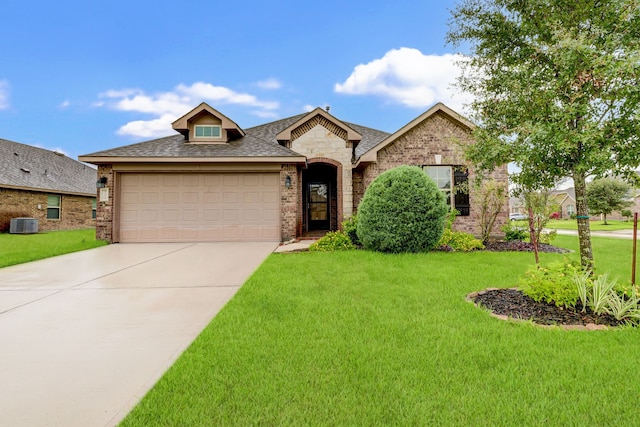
point(176, 207)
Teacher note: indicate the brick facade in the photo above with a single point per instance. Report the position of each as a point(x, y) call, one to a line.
point(75, 210)
point(436, 135)
point(290, 203)
point(104, 215)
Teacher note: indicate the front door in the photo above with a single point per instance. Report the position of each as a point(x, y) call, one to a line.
point(318, 205)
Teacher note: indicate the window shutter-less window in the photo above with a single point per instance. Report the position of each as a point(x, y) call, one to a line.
point(460, 179)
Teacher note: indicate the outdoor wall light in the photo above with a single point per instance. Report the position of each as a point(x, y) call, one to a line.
point(102, 182)
point(287, 181)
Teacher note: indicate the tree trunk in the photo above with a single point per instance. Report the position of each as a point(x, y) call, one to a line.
point(605, 219)
point(582, 217)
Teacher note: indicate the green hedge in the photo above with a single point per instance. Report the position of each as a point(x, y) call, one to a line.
point(402, 210)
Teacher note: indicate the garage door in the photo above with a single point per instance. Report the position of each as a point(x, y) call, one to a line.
point(172, 207)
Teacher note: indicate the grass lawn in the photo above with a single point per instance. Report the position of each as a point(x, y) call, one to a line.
point(360, 338)
point(571, 224)
point(19, 248)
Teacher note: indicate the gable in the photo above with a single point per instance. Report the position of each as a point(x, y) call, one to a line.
point(318, 117)
point(205, 124)
point(438, 129)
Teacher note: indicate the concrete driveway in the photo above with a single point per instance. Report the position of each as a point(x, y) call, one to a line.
point(83, 336)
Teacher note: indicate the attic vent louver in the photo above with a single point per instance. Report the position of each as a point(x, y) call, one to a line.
point(25, 170)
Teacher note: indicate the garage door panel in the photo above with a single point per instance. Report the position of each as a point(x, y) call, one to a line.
point(199, 207)
point(191, 197)
point(150, 180)
point(170, 198)
point(211, 198)
point(269, 215)
point(270, 197)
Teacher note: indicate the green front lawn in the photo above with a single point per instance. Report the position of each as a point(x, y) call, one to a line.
point(361, 338)
point(19, 248)
point(571, 224)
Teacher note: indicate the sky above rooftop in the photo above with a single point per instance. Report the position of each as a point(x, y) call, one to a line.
point(83, 76)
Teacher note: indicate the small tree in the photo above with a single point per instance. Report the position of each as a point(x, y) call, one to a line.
point(540, 208)
point(403, 210)
point(490, 199)
point(606, 195)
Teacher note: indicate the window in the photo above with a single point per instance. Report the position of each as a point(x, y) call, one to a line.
point(93, 208)
point(458, 193)
point(570, 210)
point(208, 131)
point(53, 207)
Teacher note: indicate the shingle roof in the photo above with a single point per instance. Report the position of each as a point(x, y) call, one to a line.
point(259, 141)
point(370, 138)
point(175, 146)
point(25, 166)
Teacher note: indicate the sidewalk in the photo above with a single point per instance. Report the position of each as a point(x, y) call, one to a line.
point(618, 234)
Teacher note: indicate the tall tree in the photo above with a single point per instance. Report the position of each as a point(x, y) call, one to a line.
point(606, 195)
point(555, 86)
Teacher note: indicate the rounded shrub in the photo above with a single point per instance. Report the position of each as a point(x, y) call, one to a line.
point(403, 210)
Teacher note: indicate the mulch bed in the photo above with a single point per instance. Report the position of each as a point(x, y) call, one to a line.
point(512, 303)
point(517, 246)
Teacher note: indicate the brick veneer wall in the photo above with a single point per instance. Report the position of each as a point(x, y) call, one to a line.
point(437, 134)
point(104, 213)
point(290, 203)
point(75, 211)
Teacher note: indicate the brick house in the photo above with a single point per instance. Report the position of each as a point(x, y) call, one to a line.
point(37, 183)
point(565, 200)
point(214, 181)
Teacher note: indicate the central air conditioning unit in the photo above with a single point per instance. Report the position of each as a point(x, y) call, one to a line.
point(23, 226)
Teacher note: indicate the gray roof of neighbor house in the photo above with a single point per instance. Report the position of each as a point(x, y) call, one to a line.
point(259, 141)
point(27, 167)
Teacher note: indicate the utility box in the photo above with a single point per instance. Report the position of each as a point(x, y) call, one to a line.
point(23, 226)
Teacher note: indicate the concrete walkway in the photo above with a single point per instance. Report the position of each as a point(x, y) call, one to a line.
point(84, 336)
point(618, 234)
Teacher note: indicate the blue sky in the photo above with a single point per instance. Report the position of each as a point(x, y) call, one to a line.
point(82, 76)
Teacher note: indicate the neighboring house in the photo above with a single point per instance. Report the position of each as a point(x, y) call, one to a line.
point(58, 191)
point(214, 181)
point(566, 201)
point(517, 206)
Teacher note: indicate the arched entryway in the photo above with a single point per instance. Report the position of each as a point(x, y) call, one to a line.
point(321, 197)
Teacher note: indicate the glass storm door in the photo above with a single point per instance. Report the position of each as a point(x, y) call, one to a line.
point(318, 205)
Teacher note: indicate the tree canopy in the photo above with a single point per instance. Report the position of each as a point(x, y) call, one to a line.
point(555, 90)
point(606, 195)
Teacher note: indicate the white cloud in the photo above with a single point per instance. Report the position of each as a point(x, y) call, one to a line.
point(409, 77)
point(269, 84)
point(308, 108)
point(64, 104)
point(4, 94)
point(168, 106)
point(148, 128)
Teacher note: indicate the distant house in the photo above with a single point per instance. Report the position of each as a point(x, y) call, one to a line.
point(517, 205)
point(214, 181)
point(566, 201)
point(37, 183)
